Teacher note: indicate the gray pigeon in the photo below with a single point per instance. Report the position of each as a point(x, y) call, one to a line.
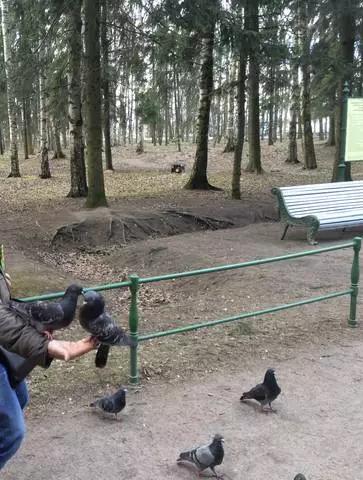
point(112, 403)
point(299, 476)
point(49, 316)
point(95, 320)
point(205, 456)
point(265, 392)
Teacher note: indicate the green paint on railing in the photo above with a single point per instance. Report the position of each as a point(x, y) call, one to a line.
point(241, 316)
point(135, 282)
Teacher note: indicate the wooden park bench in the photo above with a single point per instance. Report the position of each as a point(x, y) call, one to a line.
point(323, 206)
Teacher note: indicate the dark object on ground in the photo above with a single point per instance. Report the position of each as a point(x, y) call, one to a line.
point(177, 168)
point(265, 392)
point(299, 476)
point(112, 403)
point(49, 316)
point(205, 456)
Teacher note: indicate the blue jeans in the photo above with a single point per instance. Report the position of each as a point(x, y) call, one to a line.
point(12, 424)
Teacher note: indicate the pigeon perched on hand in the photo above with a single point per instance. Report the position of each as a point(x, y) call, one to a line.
point(49, 316)
point(95, 320)
point(205, 456)
point(265, 392)
point(112, 403)
point(299, 476)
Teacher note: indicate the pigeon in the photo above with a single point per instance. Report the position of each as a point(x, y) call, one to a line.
point(299, 476)
point(265, 392)
point(112, 403)
point(95, 320)
point(49, 316)
point(205, 456)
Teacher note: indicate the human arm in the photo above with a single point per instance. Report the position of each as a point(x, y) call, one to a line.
point(64, 350)
point(19, 337)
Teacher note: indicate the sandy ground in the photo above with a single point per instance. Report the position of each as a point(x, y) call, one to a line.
point(316, 430)
point(196, 380)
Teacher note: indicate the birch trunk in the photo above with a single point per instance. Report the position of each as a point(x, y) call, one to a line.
point(308, 142)
point(96, 184)
point(106, 86)
point(25, 133)
point(10, 83)
point(254, 163)
point(198, 178)
point(44, 163)
point(294, 109)
point(76, 148)
point(241, 119)
point(230, 146)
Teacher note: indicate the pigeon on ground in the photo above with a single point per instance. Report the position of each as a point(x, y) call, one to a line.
point(299, 476)
point(205, 456)
point(49, 316)
point(95, 320)
point(112, 403)
point(265, 392)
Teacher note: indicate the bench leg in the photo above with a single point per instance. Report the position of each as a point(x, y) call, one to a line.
point(283, 235)
point(310, 235)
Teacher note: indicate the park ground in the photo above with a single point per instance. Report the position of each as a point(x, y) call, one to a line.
point(190, 384)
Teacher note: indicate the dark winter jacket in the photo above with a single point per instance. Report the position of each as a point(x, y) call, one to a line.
point(22, 347)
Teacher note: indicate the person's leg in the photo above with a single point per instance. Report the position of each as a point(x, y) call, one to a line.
point(22, 393)
point(12, 425)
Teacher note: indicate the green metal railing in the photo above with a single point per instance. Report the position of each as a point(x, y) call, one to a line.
point(135, 281)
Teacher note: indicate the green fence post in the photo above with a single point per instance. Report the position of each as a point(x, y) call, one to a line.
point(352, 322)
point(343, 133)
point(134, 328)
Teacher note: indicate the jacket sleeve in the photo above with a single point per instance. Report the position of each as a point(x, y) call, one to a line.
point(19, 337)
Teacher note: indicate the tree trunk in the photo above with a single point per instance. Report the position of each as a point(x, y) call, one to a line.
point(241, 117)
point(308, 142)
point(29, 128)
point(360, 47)
point(44, 163)
point(96, 185)
point(25, 133)
point(331, 136)
point(140, 143)
point(123, 119)
point(346, 30)
point(58, 152)
point(166, 108)
point(7, 32)
point(177, 108)
point(1, 141)
point(198, 178)
point(106, 86)
point(76, 148)
point(254, 163)
point(321, 129)
point(230, 146)
point(271, 89)
point(294, 110)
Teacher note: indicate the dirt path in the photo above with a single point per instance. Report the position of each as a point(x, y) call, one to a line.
point(317, 429)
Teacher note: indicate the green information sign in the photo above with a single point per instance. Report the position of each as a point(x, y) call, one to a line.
point(354, 135)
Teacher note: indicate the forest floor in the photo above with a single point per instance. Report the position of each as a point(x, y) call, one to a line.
point(190, 384)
